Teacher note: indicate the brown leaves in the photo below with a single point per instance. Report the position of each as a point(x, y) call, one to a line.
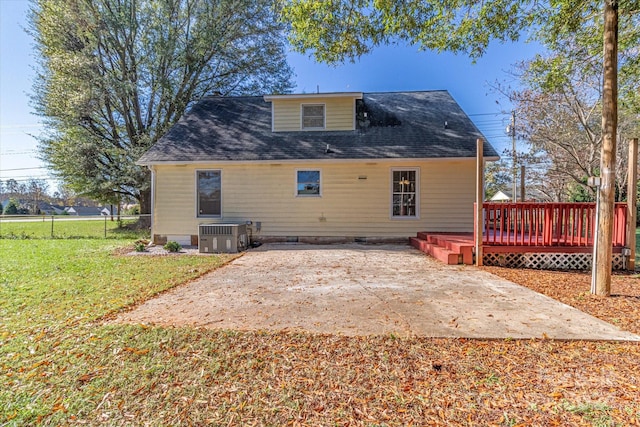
point(136, 351)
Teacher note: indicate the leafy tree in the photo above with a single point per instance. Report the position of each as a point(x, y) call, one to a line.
point(560, 107)
point(37, 192)
point(345, 29)
point(115, 75)
point(12, 187)
point(497, 177)
point(65, 195)
point(11, 208)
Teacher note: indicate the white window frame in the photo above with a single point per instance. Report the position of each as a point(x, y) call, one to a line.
point(324, 116)
point(417, 194)
point(319, 182)
point(198, 214)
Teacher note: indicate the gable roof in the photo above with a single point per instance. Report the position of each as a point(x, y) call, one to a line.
point(401, 125)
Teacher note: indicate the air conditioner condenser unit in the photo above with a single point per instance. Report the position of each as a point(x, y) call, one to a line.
point(217, 238)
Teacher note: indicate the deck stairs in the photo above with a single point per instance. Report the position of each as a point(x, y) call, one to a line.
point(449, 248)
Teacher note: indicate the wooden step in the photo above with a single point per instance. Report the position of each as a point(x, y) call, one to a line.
point(460, 244)
point(438, 252)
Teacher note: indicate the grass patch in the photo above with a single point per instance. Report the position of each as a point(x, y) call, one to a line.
point(50, 293)
point(63, 227)
point(58, 366)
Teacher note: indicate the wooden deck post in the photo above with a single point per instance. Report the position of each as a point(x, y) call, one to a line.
point(479, 222)
point(523, 191)
point(632, 202)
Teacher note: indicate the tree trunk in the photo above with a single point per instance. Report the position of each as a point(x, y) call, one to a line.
point(608, 157)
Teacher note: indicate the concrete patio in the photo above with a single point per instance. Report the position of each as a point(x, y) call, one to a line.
point(366, 290)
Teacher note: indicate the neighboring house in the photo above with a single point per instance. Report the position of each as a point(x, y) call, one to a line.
point(58, 210)
point(87, 210)
point(532, 195)
point(317, 167)
point(46, 208)
point(502, 196)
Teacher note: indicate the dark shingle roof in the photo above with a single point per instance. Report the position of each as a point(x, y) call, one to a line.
point(400, 125)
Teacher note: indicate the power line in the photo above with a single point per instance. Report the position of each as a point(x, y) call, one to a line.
point(488, 114)
point(22, 169)
point(12, 153)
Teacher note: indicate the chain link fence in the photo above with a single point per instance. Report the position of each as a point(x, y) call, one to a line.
point(74, 227)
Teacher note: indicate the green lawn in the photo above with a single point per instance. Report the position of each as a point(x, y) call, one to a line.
point(60, 364)
point(51, 294)
point(62, 227)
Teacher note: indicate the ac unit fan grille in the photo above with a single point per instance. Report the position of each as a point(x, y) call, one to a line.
point(216, 230)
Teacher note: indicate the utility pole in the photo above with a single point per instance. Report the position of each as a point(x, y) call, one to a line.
point(511, 131)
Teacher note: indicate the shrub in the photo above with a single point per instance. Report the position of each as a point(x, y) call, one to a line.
point(133, 210)
point(172, 246)
point(140, 247)
point(11, 208)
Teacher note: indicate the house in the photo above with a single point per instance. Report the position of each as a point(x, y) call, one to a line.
point(502, 196)
point(532, 195)
point(320, 167)
point(87, 211)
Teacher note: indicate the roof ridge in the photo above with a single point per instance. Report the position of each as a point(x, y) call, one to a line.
point(324, 93)
point(407, 91)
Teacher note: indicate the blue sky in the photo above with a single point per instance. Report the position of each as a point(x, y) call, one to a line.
point(389, 68)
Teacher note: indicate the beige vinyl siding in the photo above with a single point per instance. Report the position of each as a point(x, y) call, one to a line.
point(339, 113)
point(349, 206)
point(448, 196)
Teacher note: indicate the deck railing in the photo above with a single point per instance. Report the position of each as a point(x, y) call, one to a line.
point(547, 224)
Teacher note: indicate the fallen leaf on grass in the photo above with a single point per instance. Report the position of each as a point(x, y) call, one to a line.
point(137, 351)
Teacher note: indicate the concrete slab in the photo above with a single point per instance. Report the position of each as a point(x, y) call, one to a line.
point(367, 290)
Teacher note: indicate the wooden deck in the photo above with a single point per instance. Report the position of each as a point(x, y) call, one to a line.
point(525, 228)
point(459, 248)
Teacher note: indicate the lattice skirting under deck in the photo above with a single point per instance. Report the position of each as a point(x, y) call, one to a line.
point(548, 261)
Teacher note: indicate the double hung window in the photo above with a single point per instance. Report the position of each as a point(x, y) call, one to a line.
point(404, 196)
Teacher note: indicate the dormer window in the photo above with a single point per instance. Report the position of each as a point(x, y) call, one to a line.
point(313, 116)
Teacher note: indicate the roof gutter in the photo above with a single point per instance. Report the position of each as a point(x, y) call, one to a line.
point(294, 161)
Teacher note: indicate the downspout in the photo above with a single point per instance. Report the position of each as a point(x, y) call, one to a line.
point(153, 201)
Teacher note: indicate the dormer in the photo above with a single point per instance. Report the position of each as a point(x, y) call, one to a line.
point(313, 112)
